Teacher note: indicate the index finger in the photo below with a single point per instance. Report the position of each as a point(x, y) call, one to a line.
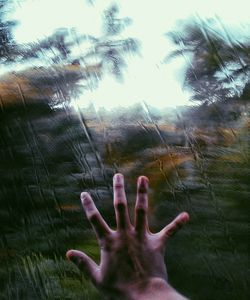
point(120, 202)
point(99, 225)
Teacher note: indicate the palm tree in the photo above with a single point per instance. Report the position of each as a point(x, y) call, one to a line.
point(218, 65)
point(217, 134)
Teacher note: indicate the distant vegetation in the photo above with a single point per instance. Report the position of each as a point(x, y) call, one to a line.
point(197, 159)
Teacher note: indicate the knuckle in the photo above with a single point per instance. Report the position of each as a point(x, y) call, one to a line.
point(82, 265)
point(107, 243)
point(119, 195)
point(120, 206)
point(173, 229)
point(87, 202)
point(142, 200)
point(169, 233)
point(93, 218)
point(140, 209)
point(142, 189)
point(118, 185)
point(178, 225)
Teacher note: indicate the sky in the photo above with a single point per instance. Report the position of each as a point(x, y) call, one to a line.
point(146, 78)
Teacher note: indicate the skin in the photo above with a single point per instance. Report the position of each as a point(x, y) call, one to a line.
point(132, 258)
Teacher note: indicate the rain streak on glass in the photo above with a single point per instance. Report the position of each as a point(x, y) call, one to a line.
point(57, 140)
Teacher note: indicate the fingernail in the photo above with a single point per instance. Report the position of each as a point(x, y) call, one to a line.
point(143, 181)
point(84, 195)
point(84, 198)
point(185, 217)
point(118, 177)
point(71, 257)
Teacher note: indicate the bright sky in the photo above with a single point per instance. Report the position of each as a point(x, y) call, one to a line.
point(146, 78)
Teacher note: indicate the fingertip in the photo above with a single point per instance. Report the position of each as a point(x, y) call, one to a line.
point(118, 174)
point(84, 195)
point(185, 217)
point(85, 198)
point(143, 179)
point(71, 256)
point(142, 184)
point(118, 177)
point(69, 253)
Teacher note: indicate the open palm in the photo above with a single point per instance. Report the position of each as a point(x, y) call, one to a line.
point(131, 256)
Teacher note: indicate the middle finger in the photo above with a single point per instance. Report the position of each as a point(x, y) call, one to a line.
point(141, 206)
point(120, 202)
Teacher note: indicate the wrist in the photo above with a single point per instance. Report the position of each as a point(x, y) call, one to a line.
point(154, 288)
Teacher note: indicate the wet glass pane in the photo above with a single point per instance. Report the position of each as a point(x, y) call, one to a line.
point(92, 88)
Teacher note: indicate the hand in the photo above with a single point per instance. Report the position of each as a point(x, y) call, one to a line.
point(132, 258)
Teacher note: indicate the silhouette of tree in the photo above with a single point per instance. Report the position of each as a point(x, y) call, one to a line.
point(8, 47)
point(107, 50)
point(218, 65)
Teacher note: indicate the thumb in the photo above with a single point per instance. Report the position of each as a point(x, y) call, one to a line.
point(85, 264)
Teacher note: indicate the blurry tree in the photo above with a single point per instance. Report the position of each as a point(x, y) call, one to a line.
point(217, 134)
point(107, 50)
point(218, 65)
point(48, 155)
point(8, 47)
